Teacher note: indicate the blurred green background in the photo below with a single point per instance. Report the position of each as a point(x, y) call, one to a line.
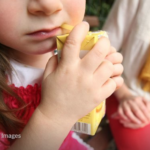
point(99, 8)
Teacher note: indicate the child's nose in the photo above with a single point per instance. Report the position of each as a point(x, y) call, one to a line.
point(44, 7)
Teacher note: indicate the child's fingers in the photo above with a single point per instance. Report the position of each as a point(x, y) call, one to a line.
point(130, 115)
point(71, 49)
point(106, 70)
point(144, 109)
point(96, 56)
point(117, 71)
point(50, 67)
point(111, 85)
point(121, 114)
point(131, 125)
point(147, 103)
point(118, 80)
point(103, 72)
point(115, 58)
point(117, 116)
point(107, 89)
point(113, 50)
point(139, 111)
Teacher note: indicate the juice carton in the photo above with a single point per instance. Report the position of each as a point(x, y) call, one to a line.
point(89, 123)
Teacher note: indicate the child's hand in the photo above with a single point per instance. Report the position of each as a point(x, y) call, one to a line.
point(132, 125)
point(72, 88)
point(134, 112)
point(116, 58)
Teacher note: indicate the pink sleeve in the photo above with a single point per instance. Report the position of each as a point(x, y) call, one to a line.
point(3, 140)
point(74, 142)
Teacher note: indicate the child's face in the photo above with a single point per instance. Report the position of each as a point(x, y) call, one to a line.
point(30, 26)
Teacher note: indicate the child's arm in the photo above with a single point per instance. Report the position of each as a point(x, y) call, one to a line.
point(42, 133)
point(122, 92)
point(70, 90)
point(133, 111)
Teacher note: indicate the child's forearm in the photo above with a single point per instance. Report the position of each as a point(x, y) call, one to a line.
point(43, 133)
point(122, 92)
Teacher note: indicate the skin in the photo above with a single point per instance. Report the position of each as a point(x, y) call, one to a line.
point(133, 111)
point(67, 86)
point(20, 18)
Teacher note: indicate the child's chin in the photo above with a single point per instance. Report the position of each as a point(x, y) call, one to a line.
point(46, 51)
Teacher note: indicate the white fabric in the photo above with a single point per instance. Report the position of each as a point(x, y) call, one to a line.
point(75, 136)
point(24, 75)
point(128, 26)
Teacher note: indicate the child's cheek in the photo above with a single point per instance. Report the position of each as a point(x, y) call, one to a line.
point(76, 10)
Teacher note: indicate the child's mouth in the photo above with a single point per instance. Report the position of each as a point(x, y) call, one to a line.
point(44, 33)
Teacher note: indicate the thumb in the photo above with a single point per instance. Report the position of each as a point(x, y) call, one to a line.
point(50, 66)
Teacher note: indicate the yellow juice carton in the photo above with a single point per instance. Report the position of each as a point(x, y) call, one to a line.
point(89, 123)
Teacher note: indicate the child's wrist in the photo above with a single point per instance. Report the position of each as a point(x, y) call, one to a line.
point(121, 96)
point(41, 127)
point(56, 117)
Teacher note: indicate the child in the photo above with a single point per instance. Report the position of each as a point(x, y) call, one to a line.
point(128, 26)
point(28, 34)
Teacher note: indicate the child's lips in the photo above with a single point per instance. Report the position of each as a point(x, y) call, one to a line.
point(44, 33)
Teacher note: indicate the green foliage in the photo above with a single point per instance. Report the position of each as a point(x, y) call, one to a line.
point(99, 8)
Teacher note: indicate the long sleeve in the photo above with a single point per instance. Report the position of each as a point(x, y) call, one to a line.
point(128, 27)
point(120, 20)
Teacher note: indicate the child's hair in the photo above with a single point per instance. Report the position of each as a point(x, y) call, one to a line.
point(9, 123)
